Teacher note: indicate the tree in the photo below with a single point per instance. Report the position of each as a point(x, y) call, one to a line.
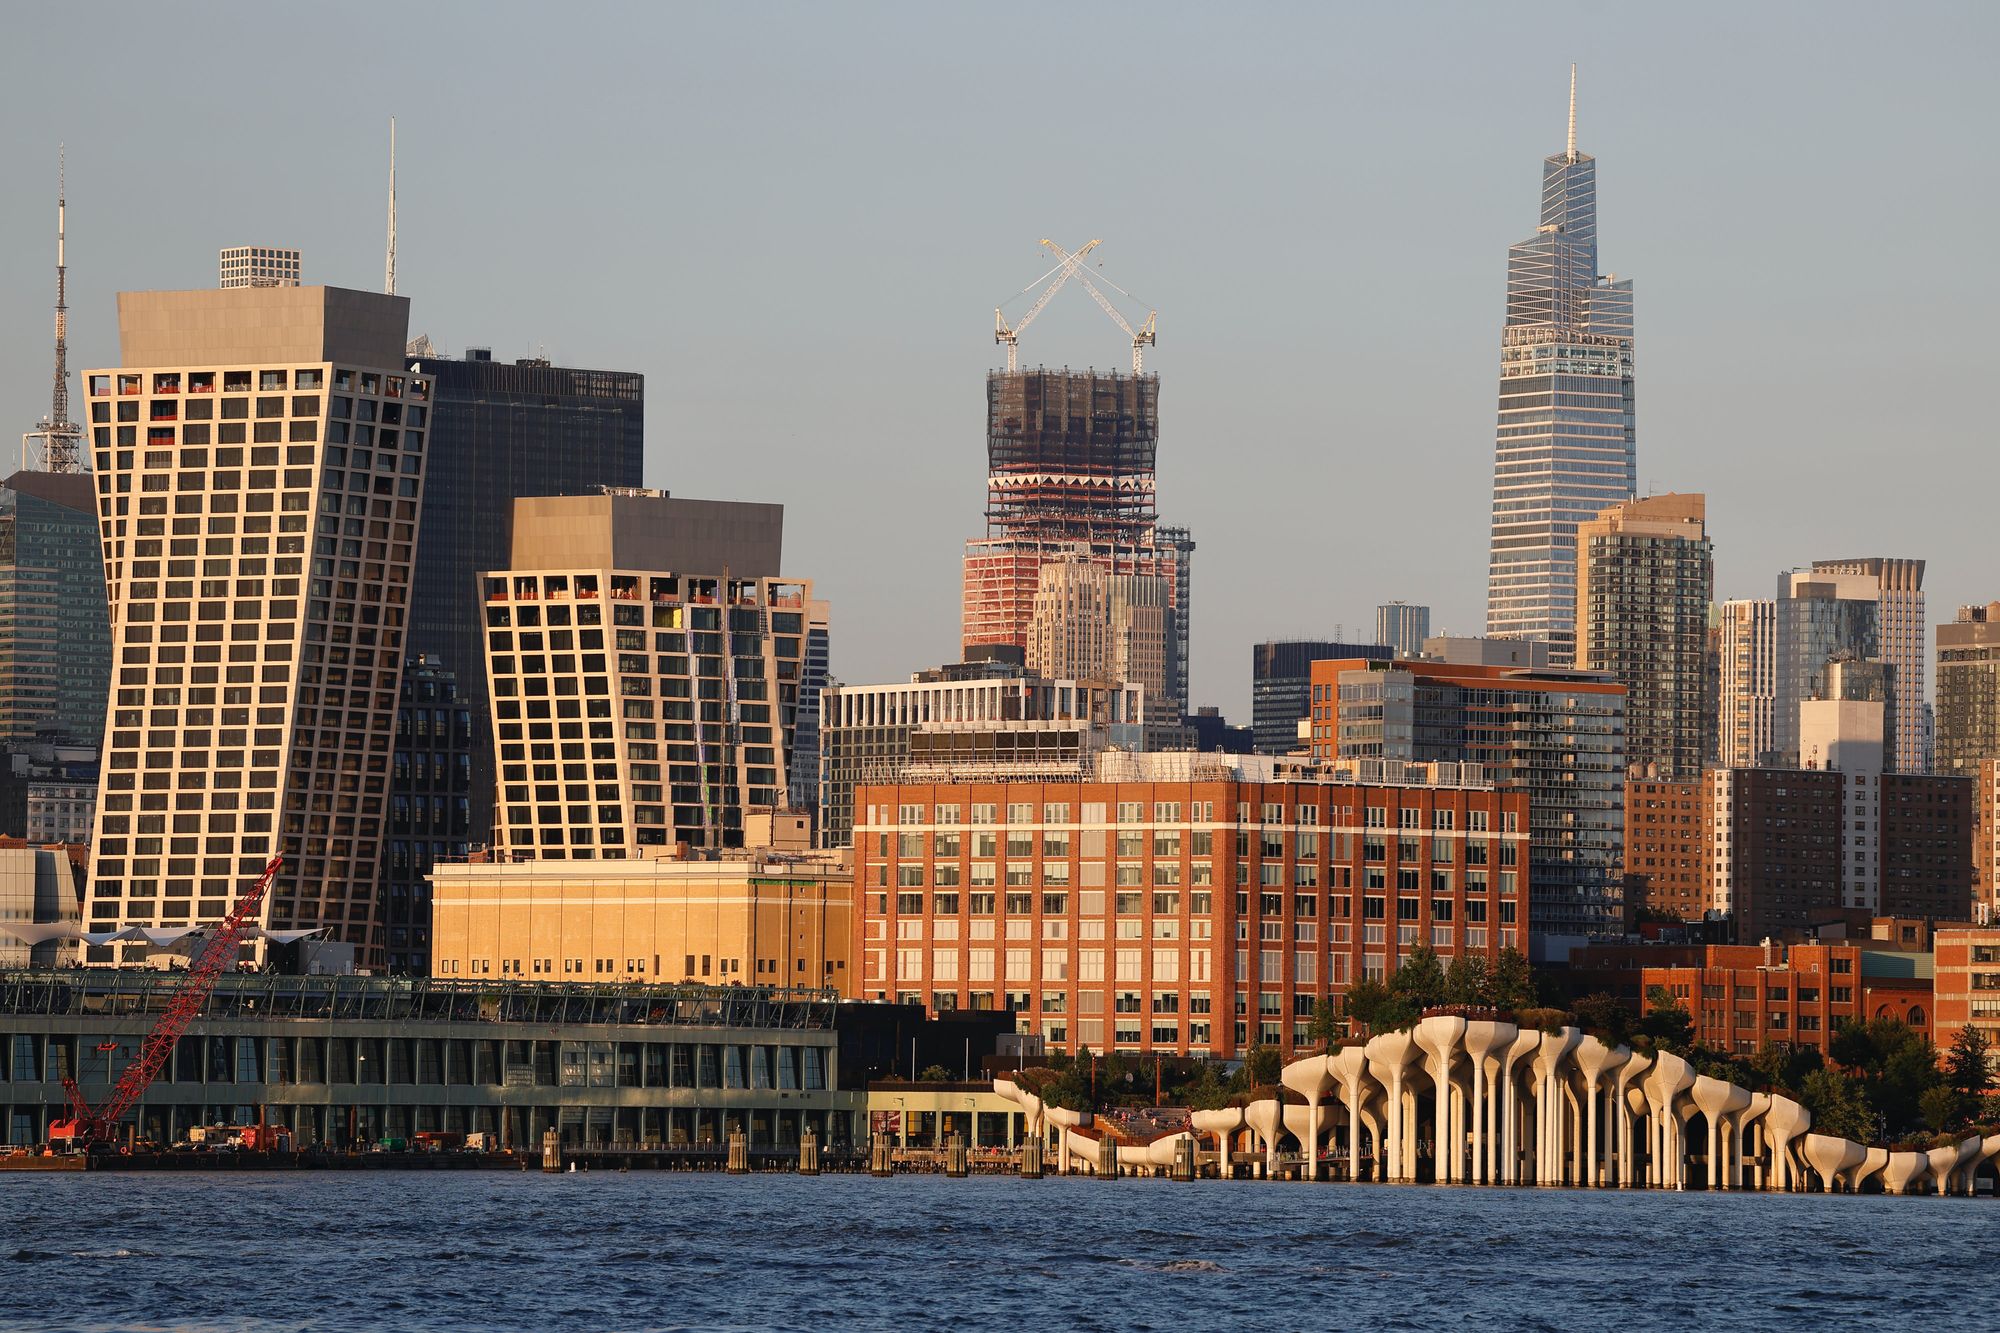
point(1326, 1023)
point(1377, 1008)
point(1783, 1068)
point(1965, 1067)
point(1420, 979)
point(1513, 982)
point(1262, 1065)
point(1468, 980)
point(1836, 1105)
point(1205, 1091)
point(1666, 1024)
point(1941, 1106)
point(935, 1074)
point(1605, 1015)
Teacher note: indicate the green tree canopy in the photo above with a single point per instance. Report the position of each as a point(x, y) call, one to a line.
point(1512, 985)
point(1837, 1106)
point(1667, 1025)
point(1965, 1065)
point(1420, 978)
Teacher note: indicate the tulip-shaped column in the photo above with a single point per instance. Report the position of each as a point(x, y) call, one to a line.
point(1389, 1058)
point(1440, 1036)
point(1547, 1067)
point(1595, 1060)
point(1783, 1123)
point(1311, 1079)
point(1629, 1101)
point(1718, 1101)
point(1483, 1041)
point(1348, 1070)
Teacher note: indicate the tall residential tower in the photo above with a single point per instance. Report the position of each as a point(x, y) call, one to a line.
point(1564, 448)
point(1645, 573)
point(260, 467)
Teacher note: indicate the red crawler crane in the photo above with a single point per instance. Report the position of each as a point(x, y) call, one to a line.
point(86, 1127)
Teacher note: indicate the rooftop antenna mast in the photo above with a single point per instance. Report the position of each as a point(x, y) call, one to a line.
point(389, 272)
point(56, 443)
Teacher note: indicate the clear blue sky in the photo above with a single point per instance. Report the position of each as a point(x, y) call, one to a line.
point(796, 220)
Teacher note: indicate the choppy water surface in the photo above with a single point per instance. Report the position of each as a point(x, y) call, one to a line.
point(383, 1251)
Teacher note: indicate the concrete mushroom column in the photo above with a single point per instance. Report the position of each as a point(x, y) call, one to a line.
point(1552, 1048)
point(1311, 1079)
point(1389, 1058)
point(1783, 1123)
point(1594, 1060)
point(1482, 1040)
point(1222, 1122)
point(1671, 1077)
point(1744, 1126)
point(1348, 1068)
point(1527, 1041)
point(1717, 1100)
point(1630, 1075)
point(1439, 1036)
point(1830, 1155)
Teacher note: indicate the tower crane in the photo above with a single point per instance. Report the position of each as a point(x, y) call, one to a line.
point(85, 1126)
point(1066, 269)
point(1141, 336)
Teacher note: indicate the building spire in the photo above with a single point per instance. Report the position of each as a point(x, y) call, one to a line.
point(389, 270)
point(1572, 112)
point(56, 445)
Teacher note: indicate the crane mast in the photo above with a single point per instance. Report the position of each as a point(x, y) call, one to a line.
point(86, 1126)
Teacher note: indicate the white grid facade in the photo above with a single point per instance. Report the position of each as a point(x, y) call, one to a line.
point(259, 523)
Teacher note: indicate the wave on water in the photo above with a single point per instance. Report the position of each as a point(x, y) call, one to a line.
point(1175, 1265)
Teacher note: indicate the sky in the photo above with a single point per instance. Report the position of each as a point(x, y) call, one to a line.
point(796, 220)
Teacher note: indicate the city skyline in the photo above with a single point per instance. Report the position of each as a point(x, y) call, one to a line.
point(1679, 124)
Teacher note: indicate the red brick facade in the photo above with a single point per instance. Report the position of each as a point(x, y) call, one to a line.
point(1184, 917)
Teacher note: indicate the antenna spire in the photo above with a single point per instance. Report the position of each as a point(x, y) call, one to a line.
point(1572, 111)
point(389, 270)
point(56, 444)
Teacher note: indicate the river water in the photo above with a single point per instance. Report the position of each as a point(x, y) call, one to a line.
point(587, 1251)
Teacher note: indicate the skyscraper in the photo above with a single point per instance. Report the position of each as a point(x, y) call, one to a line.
point(430, 787)
point(1968, 690)
point(644, 660)
point(260, 466)
point(55, 635)
point(1403, 626)
point(1821, 618)
point(503, 432)
point(1746, 710)
point(1070, 458)
point(1901, 633)
point(1645, 573)
point(1565, 447)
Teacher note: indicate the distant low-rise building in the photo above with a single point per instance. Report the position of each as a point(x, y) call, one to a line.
point(761, 916)
point(1968, 984)
point(1743, 997)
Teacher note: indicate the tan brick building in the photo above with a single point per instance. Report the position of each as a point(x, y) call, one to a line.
point(1178, 903)
point(759, 918)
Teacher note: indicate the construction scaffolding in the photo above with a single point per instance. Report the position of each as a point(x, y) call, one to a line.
point(1070, 455)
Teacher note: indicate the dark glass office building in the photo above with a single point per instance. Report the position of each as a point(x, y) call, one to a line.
point(430, 788)
point(500, 431)
point(1281, 686)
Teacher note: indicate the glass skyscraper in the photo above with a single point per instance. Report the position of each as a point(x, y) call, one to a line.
point(1564, 449)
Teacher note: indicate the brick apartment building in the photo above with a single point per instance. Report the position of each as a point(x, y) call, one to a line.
point(1742, 996)
point(1968, 984)
point(1665, 872)
point(1178, 903)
